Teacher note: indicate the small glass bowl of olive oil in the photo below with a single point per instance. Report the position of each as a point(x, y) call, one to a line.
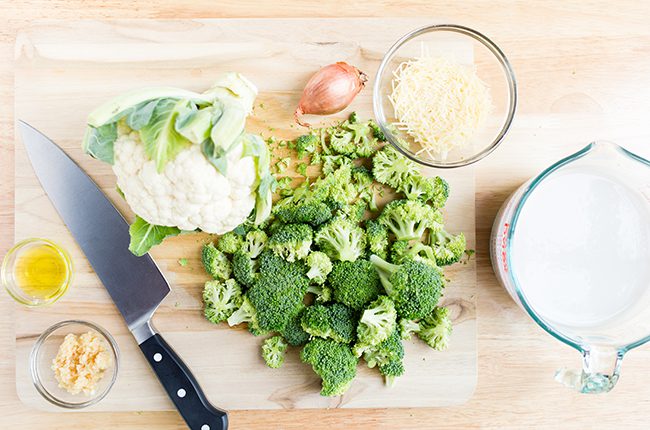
point(36, 272)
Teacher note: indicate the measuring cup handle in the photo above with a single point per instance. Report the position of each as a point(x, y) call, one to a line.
point(599, 374)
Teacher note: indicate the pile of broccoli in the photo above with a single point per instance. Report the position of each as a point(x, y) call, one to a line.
point(333, 273)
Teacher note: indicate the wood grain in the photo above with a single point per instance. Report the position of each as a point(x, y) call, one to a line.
point(584, 73)
point(58, 61)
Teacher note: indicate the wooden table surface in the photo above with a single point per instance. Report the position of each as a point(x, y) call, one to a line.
point(584, 74)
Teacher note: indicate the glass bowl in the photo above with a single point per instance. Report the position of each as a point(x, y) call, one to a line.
point(465, 46)
point(16, 266)
point(45, 350)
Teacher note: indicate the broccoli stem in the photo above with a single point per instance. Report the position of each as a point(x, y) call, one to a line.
point(407, 229)
point(313, 272)
point(245, 313)
point(385, 270)
point(347, 253)
point(442, 237)
point(389, 380)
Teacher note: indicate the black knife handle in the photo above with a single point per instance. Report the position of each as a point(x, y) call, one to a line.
point(182, 387)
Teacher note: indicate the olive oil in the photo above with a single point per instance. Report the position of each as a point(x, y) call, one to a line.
point(41, 271)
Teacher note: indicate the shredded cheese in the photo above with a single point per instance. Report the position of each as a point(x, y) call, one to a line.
point(81, 363)
point(439, 103)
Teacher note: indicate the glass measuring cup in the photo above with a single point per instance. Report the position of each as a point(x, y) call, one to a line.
point(572, 248)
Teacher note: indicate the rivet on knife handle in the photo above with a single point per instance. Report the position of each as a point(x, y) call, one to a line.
point(182, 387)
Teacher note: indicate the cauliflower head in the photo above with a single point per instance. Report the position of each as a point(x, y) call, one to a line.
point(189, 193)
point(183, 160)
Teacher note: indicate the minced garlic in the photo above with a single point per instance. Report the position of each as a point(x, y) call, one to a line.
point(81, 362)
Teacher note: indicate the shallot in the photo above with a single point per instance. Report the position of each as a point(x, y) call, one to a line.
point(330, 90)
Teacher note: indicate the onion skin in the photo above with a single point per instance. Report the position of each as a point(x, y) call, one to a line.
point(330, 90)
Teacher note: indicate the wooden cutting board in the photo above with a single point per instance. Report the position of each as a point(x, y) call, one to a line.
point(64, 70)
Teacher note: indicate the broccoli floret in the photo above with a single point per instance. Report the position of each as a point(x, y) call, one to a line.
point(377, 237)
point(333, 362)
point(270, 264)
point(376, 131)
point(323, 293)
point(323, 137)
point(377, 323)
point(436, 329)
point(335, 189)
point(293, 332)
point(342, 141)
point(440, 192)
point(434, 190)
point(447, 248)
point(365, 143)
point(364, 181)
point(355, 283)
point(296, 197)
point(341, 239)
point(246, 314)
point(244, 268)
point(415, 287)
point(366, 148)
point(255, 242)
point(408, 327)
point(333, 162)
point(307, 144)
point(399, 251)
point(278, 296)
point(230, 243)
point(221, 299)
point(215, 262)
point(392, 168)
point(319, 265)
point(362, 176)
point(391, 370)
point(272, 228)
point(313, 212)
point(403, 250)
point(342, 191)
point(352, 118)
point(409, 219)
point(291, 241)
point(335, 321)
point(316, 158)
point(343, 197)
point(385, 352)
point(417, 187)
point(334, 205)
point(273, 350)
point(354, 212)
point(278, 291)
point(368, 196)
point(301, 168)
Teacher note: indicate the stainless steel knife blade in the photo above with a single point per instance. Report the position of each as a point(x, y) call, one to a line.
point(135, 284)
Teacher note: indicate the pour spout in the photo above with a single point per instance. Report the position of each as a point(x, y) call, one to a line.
point(600, 371)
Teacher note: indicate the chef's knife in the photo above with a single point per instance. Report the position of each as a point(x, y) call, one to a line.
point(135, 284)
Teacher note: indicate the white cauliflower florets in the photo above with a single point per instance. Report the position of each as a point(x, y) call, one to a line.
point(189, 193)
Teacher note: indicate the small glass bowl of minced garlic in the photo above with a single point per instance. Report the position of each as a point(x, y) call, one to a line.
point(74, 364)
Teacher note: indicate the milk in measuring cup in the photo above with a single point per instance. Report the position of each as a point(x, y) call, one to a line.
point(572, 248)
point(581, 249)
